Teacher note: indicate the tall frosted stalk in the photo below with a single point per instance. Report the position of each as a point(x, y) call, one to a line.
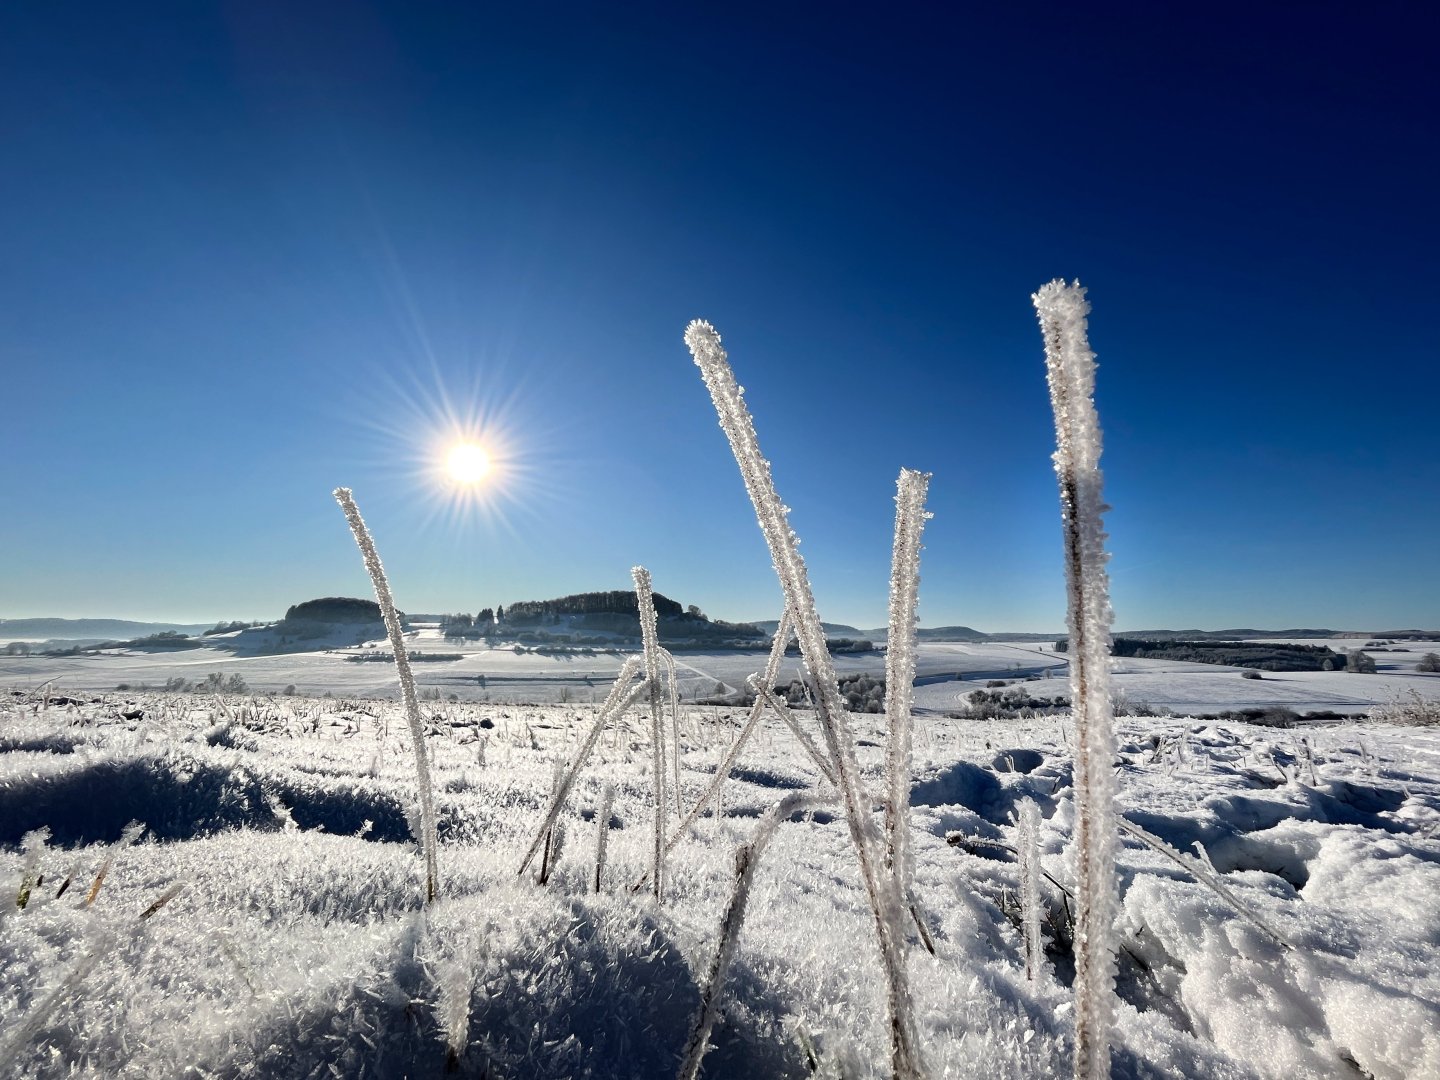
point(650, 637)
point(428, 838)
point(674, 684)
point(1070, 367)
point(910, 518)
point(739, 428)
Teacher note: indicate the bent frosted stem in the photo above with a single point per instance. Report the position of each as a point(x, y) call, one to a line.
point(622, 696)
point(429, 839)
point(885, 903)
point(747, 859)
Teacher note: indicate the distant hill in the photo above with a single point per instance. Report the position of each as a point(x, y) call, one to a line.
point(1227, 635)
point(948, 633)
point(613, 602)
point(604, 617)
point(90, 629)
point(957, 633)
point(832, 629)
point(335, 609)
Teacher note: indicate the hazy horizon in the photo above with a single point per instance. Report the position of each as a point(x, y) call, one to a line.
point(1059, 628)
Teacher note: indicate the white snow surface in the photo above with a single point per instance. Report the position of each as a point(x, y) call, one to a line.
point(296, 945)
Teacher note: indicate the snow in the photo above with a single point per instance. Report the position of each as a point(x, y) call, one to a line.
point(298, 941)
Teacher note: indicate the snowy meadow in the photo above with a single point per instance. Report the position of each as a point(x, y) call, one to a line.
point(298, 943)
point(230, 885)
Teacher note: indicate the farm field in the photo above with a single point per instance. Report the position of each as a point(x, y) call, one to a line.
point(293, 940)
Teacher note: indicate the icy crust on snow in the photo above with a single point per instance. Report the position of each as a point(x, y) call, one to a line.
point(297, 941)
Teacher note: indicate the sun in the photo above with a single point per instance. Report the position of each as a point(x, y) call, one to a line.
point(467, 464)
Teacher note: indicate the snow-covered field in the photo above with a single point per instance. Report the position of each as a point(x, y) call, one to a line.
point(296, 945)
point(500, 674)
point(482, 673)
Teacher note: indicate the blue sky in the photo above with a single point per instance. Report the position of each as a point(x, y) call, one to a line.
point(252, 251)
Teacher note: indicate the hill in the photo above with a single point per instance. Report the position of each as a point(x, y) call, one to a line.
point(335, 609)
point(90, 629)
point(613, 616)
point(832, 629)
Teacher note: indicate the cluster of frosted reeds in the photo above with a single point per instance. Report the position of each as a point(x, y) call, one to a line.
point(883, 889)
point(624, 694)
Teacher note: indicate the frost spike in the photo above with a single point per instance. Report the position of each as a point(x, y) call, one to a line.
point(429, 837)
point(739, 428)
point(1070, 367)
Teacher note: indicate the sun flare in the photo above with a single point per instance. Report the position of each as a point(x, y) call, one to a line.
point(467, 463)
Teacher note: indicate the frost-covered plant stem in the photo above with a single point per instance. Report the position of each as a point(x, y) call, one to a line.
point(772, 672)
point(780, 709)
point(429, 839)
point(1203, 871)
point(1028, 845)
point(910, 518)
point(747, 858)
point(128, 836)
point(1070, 366)
point(602, 833)
point(674, 684)
point(739, 428)
point(650, 638)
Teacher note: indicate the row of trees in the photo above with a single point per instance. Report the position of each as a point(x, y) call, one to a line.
point(615, 601)
point(1267, 656)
